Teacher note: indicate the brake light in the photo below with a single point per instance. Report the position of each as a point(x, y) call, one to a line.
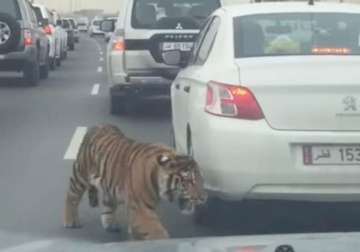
point(232, 101)
point(331, 50)
point(28, 41)
point(47, 29)
point(118, 45)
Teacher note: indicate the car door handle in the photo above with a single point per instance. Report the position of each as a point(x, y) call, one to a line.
point(187, 89)
point(177, 86)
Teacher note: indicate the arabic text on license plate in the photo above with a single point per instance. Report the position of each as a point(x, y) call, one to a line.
point(331, 154)
point(182, 46)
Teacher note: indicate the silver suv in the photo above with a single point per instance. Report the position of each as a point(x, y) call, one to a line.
point(23, 45)
point(144, 30)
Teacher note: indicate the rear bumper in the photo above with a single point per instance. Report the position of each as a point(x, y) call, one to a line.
point(133, 91)
point(147, 71)
point(249, 160)
point(15, 61)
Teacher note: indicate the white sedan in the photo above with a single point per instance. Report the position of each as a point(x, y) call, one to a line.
point(269, 102)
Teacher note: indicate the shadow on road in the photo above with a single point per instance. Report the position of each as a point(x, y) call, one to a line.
point(279, 217)
point(144, 109)
point(12, 82)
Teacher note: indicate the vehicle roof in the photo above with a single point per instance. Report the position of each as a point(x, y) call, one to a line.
point(288, 7)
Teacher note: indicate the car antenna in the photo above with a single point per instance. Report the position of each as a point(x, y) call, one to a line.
point(311, 2)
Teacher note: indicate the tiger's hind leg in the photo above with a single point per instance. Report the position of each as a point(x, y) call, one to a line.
point(109, 219)
point(77, 188)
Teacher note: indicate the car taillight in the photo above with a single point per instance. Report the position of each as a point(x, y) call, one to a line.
point(47, 29)
point(232, 101)
point(118, 44)
point(28, 41)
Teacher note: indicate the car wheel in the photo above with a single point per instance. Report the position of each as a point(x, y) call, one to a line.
point(52, 64)
point(65, 55)
point(10, 33)
point(208, 213)
point(44, 70)
point(58, 62)
point(117, 105)
point(72, 47)
point(32, 73)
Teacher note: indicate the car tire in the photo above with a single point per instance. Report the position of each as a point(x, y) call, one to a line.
point(32, 73)
point(10, 31)
point(65, 55)
point(44, 70)
point(117, 105)
point(209, 213)
point(52, 64)
point(72, 47)
point(58, 62)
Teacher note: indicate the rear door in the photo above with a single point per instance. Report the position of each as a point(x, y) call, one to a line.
point(156, 26)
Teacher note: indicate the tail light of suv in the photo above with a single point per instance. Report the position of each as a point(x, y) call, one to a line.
point(28, 39)
point(232, 101)
point(118, 44)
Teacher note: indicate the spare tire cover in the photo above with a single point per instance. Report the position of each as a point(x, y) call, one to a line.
point(10, 33)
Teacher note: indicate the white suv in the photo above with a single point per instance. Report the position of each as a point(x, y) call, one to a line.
point(144, 30)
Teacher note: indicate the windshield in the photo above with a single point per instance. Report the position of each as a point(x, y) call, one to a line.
point(171, 14)
point(282, 34)
point(10, 7)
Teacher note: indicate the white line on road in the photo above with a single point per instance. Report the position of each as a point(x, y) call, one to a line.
point(101, 59)
point(29, 247)
point(95, 89)
point(75, 143)
point(100, 69)
point(101, 53)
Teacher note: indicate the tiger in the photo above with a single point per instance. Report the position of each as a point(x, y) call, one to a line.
point(118, 171)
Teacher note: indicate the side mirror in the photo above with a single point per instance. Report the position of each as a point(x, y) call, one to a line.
point(172, 58)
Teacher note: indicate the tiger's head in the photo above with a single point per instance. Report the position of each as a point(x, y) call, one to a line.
point(180, 181)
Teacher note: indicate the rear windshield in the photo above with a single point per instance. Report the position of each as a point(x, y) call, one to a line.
point(10, 7)
point(172, 14)
point(97, 22)
point(297, 34)
point(39, 15)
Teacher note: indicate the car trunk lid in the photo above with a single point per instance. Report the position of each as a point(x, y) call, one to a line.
point(305, 92)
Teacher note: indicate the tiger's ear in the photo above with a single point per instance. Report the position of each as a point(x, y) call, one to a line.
point(163, 159)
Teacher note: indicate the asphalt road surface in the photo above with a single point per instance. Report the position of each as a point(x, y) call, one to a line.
point(37, 127)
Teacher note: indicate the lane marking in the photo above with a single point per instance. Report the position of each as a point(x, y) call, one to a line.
point(100, 69)
point(101, 53)
point(95, 89)
point(101, 59)
point(73, 149)
point(29, 247)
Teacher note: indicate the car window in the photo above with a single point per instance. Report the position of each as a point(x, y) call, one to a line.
point(171, 14)
point(97, 22)
point(32, 14)
point(66, 24)
point(199, 40)
point(208, 42)
point(39, 15)
point(10, 7)
point(297, 34)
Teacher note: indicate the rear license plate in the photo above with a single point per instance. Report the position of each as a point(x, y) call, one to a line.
point(331, 154)
point(182, 46)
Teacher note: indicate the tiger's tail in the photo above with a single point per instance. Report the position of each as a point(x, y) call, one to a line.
point(93, 196)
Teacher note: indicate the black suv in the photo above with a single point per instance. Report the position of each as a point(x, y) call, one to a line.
point(70, 29)
point(23, 45)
